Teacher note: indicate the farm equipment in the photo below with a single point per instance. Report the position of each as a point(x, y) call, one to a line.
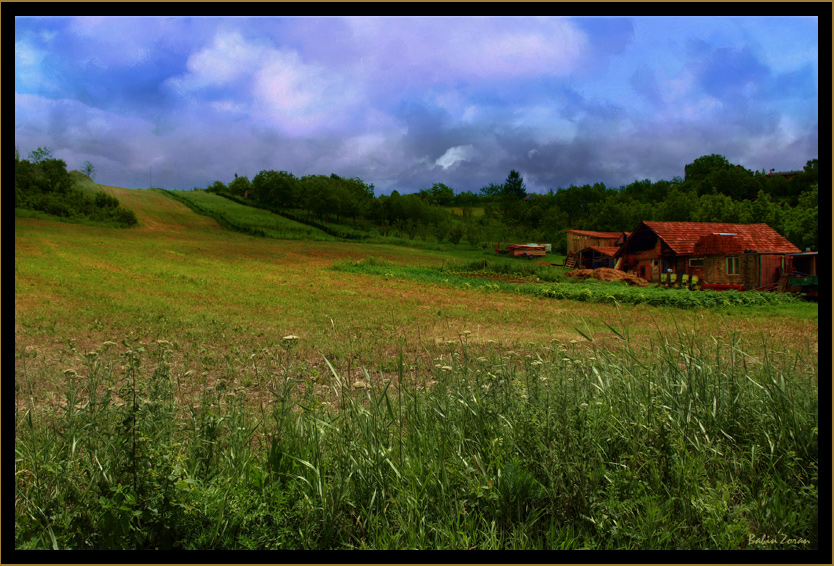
point(807, 284)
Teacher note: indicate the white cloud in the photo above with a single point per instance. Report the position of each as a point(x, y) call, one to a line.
point(117, 41)
point(228, 107)
point(456, 154)
point(430, 50)
point(275, 86)
point(301, 98)
point(229, 58)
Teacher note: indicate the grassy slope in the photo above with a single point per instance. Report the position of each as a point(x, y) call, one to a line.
point(221, 302)
point(186, 269)
point(250, 218)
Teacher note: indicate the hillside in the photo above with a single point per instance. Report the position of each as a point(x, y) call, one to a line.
point(177, 376)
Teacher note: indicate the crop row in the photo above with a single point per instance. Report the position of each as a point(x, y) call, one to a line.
point(562, 288)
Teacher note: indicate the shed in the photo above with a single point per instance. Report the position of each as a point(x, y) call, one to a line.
point(749, 255)
point(593, 257)
point(578, 240)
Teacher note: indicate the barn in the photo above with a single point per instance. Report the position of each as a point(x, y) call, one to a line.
point(588, 248)
point(748, 256)
point(578, 240)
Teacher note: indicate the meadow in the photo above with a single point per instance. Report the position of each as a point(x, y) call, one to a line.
point(183, 385)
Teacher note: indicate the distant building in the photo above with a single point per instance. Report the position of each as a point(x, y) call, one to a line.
point(786, 174)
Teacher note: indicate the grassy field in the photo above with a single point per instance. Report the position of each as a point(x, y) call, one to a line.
point(181, 385)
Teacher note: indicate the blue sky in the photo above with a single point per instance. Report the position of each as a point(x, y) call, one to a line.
point(406, 102)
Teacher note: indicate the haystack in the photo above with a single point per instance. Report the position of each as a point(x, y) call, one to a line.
point(608, 274)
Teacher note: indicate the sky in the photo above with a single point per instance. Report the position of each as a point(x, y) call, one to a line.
point(405, 102)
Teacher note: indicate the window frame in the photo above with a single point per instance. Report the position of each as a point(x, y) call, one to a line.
point(731, 261)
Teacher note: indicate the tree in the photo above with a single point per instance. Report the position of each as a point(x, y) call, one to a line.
point(677, 207)
point(439, 194)
point(715, 208)
point(40, 154)
point(762, 210)
point(89, 169)
point(491, 191)
point(702, 167)
point(736, 182)
point(239, 186)
point(217, 187)
point(514, 186)
point(801, 224)
point(275, 187)
point(455, 234)
point(474, 234)
point(512, 192)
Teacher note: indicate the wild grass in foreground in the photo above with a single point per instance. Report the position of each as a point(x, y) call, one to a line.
point(690, 442)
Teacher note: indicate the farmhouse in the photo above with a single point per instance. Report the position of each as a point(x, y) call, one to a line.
point(747, 256)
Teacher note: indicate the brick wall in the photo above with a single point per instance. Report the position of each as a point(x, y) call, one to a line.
point(715, 270)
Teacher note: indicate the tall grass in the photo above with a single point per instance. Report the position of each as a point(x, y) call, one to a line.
point(689, 441)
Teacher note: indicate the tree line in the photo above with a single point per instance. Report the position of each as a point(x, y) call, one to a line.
point(712, 190)
point(42, 183)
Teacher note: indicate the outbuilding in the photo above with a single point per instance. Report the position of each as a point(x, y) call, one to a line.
point(593, 257)
point(578, 240)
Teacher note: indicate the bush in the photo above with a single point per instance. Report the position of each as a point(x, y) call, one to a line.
point(46, 186)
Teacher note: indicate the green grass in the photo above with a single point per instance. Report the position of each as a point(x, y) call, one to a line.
point(84, 183)
point(685, 443)
point(247, 219)
point(549, 282)
point(458, 210)
point(157, 404)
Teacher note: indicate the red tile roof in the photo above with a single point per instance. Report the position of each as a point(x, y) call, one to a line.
point(682, 236)
point(604, 250)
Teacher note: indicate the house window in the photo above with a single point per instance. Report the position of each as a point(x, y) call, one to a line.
point(733, 266)
point(696, 262)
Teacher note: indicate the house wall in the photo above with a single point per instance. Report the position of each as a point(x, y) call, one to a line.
point(645, 264)
point(771, 267)
point(715, 270)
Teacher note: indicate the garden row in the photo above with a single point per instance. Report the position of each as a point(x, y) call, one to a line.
point(546, 282)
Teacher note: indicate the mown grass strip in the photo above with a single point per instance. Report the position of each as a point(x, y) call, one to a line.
point(247, 219)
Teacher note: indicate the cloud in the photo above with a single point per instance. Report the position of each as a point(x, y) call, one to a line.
point(407, 102)
point(455, 155)
point(444, 50)
point(229, 58)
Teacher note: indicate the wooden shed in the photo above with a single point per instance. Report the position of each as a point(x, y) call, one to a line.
point(578, 240)
point(746, 255)
point(593, 257)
